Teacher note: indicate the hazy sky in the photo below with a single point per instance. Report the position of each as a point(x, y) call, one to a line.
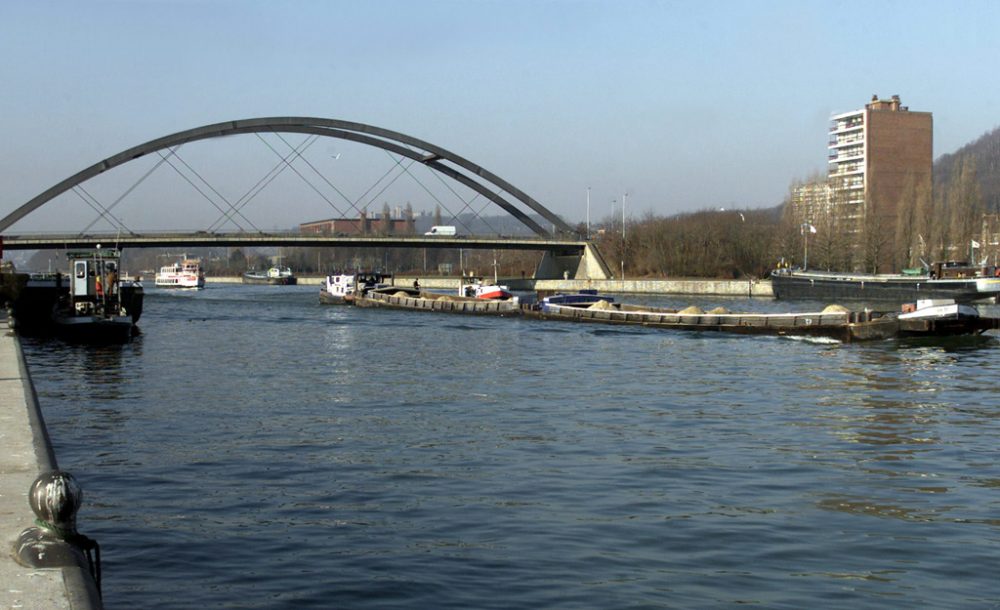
point(684, 105)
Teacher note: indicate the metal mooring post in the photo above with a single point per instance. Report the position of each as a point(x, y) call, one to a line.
point(55, 498)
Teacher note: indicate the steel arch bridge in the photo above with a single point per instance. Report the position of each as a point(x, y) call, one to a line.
point(434, 157)
point(565, 252)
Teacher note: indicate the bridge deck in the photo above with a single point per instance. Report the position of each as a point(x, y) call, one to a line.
point(207, 239)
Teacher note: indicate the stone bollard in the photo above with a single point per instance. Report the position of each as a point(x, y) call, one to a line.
point(55, 497)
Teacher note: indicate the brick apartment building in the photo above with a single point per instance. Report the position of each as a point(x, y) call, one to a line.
point(362, 225)
point(876, 154)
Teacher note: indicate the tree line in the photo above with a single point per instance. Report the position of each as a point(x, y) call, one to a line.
point(926, 225)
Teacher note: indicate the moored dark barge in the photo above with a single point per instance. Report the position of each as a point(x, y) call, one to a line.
point(36, 300)
point(956, 281)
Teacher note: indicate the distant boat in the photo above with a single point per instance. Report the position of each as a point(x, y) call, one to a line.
point(185, 274)
point(950, 280)
point(342, 288)
point(475, 287)
point(95, 310)
point(281, 276)
point(583, 298)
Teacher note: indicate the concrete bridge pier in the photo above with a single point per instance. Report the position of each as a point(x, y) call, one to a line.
point(574, 265)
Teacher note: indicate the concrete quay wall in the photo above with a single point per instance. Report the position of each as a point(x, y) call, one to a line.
point(26, 453)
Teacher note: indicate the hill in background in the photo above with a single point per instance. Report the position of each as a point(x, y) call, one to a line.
point(985, 151)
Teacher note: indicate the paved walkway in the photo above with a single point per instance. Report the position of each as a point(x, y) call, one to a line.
point(20, 587)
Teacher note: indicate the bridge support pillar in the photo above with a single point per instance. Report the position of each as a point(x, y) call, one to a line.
point(576, 265)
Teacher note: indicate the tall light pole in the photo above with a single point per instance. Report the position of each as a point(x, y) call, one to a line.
point(611, 229)
point(806, 229)
point(624, 197)
point(805, 251)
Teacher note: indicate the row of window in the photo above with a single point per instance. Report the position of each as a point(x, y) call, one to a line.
point(846, 139)
point(847, 124)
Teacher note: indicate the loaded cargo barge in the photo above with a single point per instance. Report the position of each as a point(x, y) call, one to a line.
point(927, 319)
point(396, 297)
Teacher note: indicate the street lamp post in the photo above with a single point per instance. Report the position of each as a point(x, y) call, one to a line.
point(806, 229)
point(624, 198)
point(611, 229)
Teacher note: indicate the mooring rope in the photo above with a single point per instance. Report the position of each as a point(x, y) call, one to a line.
point(89, 546)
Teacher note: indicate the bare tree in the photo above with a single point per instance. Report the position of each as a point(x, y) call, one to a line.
point(928, 226)
point(830, 245)
point(903, 245)
point(874, 243)
point(965, 206)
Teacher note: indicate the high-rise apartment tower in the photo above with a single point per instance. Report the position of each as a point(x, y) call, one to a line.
point(877, 156)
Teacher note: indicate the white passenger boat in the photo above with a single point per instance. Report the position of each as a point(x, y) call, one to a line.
point(185, 274)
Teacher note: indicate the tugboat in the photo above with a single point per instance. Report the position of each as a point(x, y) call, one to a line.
point(343, 288)
point(93, 310)
point(473, 286)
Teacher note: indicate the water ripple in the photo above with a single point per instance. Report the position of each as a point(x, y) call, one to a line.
point(283, 454)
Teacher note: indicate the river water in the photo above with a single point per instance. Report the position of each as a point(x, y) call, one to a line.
point(254, 449)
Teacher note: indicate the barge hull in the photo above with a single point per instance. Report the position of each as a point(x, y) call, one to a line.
point(896, 291)
point(274, 281)
point(421, 302)
point(846, 327)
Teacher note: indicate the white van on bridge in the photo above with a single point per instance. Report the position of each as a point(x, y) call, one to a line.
point(441, 230)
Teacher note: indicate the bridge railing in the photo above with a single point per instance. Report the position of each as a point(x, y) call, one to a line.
point(111, 236)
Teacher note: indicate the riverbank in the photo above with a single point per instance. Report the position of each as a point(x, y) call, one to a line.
point(698, 287)
point(27, 453)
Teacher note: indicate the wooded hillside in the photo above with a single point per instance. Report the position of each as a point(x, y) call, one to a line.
point(985, 154)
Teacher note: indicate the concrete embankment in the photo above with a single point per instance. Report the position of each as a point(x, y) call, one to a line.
point(694, 287)
point(26, 453)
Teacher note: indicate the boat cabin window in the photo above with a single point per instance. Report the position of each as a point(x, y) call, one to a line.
point(80, 269)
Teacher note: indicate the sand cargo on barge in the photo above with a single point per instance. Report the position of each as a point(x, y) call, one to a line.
point(396, 297)
point(928, 318)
